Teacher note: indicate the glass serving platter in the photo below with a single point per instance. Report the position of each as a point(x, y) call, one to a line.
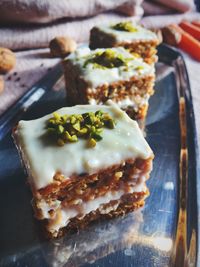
point(163, 233)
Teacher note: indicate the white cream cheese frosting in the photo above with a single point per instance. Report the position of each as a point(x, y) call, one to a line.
point(97, 76)
point(141, 34)
point(43, 160)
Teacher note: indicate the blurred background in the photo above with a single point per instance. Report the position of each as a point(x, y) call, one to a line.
point(27, 27)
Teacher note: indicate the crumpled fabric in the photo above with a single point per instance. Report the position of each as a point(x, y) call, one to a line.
point(45, 11)
point(34, 36)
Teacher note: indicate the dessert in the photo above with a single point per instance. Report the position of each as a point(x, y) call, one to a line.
point(93, 77)
point(131, 36)
point(84, 162)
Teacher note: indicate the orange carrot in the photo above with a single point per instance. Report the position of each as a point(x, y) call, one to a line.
point(191, 29)
point(187, 43)
point(196, 23)
point(190, 45)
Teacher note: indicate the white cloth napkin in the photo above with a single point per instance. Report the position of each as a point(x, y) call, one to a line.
point(33, 36)
point(45, 11)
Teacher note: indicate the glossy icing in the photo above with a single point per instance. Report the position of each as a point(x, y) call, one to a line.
point(141, 34)
point(97, 76)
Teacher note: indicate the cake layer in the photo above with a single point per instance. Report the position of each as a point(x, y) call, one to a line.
point(146, 50)
point(103, 191)
point(89, 187)
point(119, 204)
point(128, 95)
point(44, 160)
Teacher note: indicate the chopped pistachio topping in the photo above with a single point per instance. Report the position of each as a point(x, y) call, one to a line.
point(68, 128)
point(136, 55)
point(107, 59)
point(139, 68)
point(126, 26)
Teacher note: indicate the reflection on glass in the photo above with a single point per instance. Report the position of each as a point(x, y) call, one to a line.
point(95, 242)
point(168, 186)
point(100, 240)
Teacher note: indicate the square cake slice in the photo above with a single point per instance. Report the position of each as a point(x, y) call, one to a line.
point(84, 162)
point(131, 36)
point(93, 77)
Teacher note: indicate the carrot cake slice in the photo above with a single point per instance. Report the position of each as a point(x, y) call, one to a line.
point(84, 162)
point(131, 36)
point(94, 76)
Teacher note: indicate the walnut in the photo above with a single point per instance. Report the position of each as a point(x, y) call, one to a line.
point(62, 46)
point(1, 84)
point(7, 60)
point(170, 35)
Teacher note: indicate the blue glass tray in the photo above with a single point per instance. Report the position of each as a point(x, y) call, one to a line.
point(163, 233)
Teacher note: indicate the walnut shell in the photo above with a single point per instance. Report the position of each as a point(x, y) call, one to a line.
point(1, 84)
point(62, 46)
point(7, 60)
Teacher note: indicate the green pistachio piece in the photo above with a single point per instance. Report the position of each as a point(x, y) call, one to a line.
point(83, 131)
point(56, 116)
point(98, 66)
point(135, 54)
point(93, 129)
point(79, 117)
point(69, 137)
point(96, 136)
point(139, 68)
point(60, 142)
point(110, 124)
point(106, 59)
point(66, 135)
point(126, 26)
point(72, 119)
point(91, 142)
point(64, 119)
point(88, 118)
point(60, 129)
point(51, 121)
point(73, 138)
point(99, 113)
point(106, 116)
point(99, 130)
point(76, 126)
point(68, 128)
point(99, 124)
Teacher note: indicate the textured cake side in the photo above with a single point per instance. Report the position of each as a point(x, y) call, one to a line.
point(128, 178)
point(131, 95)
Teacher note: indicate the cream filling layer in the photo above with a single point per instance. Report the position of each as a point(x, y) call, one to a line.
point(135, 102)
point(97, 76)
point(63, 214)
